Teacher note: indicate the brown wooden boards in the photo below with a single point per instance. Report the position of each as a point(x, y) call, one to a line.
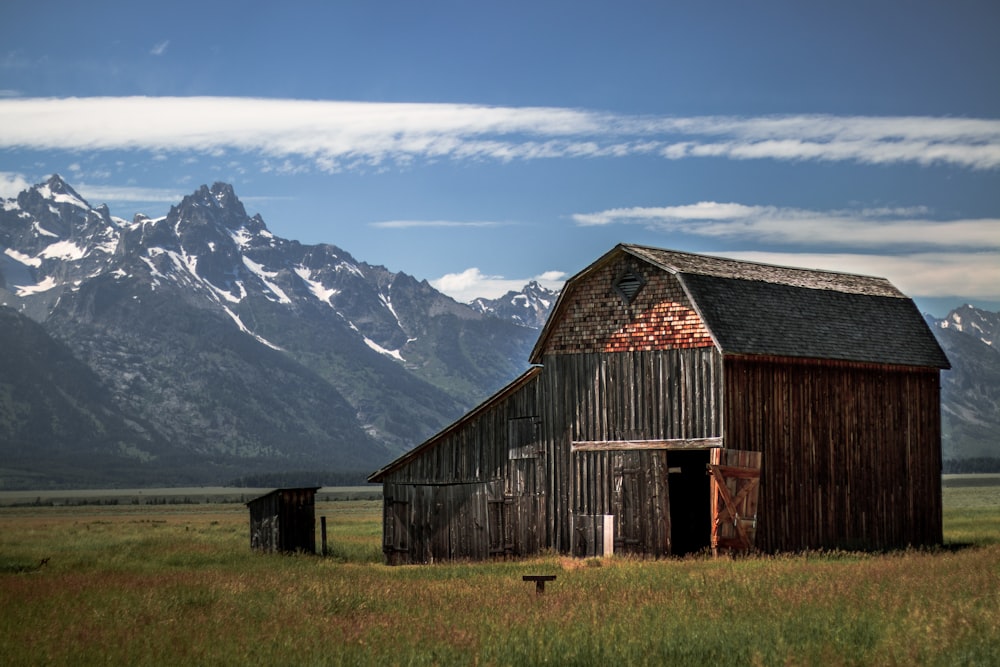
point(735, 486)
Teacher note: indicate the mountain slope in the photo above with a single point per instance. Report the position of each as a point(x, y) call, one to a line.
point(242, 351)
point(970, 391)
point(57, 417)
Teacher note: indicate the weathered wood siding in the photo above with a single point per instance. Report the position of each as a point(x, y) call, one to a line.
point(476, 491)
point(623, 368)
point(284, 520)
point(659, 395)
point(852, 452)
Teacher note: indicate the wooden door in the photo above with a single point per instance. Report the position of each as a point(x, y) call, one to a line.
point(641, 503)
point(735, 486)
point(524, 498)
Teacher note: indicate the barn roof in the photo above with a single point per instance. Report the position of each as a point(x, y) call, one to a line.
point(516, 384)
point(760, 309)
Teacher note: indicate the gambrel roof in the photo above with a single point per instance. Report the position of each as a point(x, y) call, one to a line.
point(760, 309)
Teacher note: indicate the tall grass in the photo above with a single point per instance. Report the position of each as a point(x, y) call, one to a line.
point(179, 585)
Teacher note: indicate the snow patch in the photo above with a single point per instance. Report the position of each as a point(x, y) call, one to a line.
point(266, 276)
point(63, 198)
point(22, 258)
point(241, 237)
point(43, 232)
point(229, 296)
point(44, 286)
point(381, 350)
point(387, 302)
point(244, 329)
point(351, 268)
point(63, 250)
point(316, 287)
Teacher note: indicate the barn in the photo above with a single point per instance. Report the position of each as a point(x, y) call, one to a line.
point(677, 403)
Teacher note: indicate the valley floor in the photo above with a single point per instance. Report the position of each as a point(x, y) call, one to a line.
point(175, 584)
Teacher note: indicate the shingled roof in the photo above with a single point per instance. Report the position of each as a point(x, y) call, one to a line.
point(760, 309)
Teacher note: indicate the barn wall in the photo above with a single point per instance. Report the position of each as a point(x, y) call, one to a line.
point(477, 491)
point(644, 368)
point(595, 317)
point(852, 452)
point(661, 395)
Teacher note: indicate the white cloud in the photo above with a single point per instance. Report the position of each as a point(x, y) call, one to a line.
point(160, 48)
point(472, 283)
point(125, 193)
point(863, 228)
point(11, 184)
point(970, 275)
point(417, 224)
point(921, 256)
point(337, 135)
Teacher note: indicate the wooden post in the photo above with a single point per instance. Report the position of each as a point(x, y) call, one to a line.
point(609, 535)
point(322, 530)
point(539, 580)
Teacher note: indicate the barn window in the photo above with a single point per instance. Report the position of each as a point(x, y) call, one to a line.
point(628, 285)
point(522, 437)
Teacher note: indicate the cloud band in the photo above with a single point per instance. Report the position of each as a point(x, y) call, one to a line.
point(340, 134)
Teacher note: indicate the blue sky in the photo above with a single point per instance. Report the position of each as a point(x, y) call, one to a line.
point(481, 145)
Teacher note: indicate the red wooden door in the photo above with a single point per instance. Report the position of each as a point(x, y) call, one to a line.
point(735, 485)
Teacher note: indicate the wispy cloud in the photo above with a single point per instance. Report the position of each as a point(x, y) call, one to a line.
point(931, 274)
point(922, 256)
point(862, 228)
point(122, 194)
point(473, 283)
point(417, 224)
point(336, 135)
point(160, 48)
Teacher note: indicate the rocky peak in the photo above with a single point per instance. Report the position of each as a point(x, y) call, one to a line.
point(975, 322)
point(216, 206)
point(530, 307)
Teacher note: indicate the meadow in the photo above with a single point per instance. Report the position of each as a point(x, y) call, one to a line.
point(128, 583)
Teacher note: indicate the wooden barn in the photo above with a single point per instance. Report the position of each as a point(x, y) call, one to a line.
point(680, 402)
point(284, 520)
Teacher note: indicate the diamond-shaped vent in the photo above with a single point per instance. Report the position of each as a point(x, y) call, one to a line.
point(628, 285)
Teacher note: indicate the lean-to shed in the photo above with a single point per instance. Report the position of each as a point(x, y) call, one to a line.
point(284, 520)
point(678, 402)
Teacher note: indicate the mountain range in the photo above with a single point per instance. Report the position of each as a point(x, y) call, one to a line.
point(970, 391)
point(200, 348)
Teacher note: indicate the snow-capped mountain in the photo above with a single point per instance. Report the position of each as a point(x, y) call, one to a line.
point(970, 391)
point(230, 350)
point(530, 307)
point(200, 347)
point(974, 322)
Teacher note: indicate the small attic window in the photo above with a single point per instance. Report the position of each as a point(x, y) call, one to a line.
point(628, 285)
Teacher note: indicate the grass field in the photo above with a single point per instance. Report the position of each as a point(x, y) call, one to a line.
point(154, 584)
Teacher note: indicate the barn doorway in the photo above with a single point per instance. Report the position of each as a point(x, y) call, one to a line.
point(690, 501)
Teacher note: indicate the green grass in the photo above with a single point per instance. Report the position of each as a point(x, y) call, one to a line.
point(158, 585)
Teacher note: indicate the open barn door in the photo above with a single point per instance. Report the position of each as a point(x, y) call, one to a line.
point(735, 485)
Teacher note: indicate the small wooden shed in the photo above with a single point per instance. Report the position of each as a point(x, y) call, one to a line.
point(284, 520)
point(679, 402)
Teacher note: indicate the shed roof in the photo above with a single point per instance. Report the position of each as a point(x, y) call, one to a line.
point(314, 489)
point(760, 309)
point(512, 387)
